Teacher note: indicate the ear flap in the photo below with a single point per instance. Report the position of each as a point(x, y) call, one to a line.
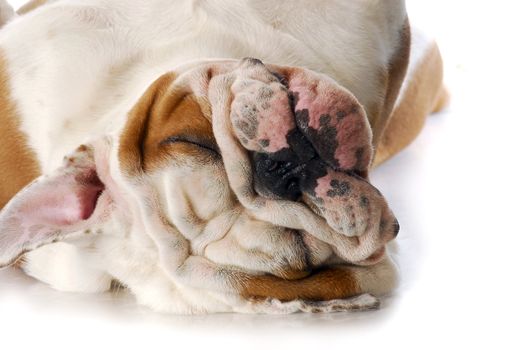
point(52, 207)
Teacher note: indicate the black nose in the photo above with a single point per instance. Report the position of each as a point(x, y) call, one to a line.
point(280, 178)
point(285, 174)
point(288, 172)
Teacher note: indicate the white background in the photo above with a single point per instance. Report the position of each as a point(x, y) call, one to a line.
point(460, 191)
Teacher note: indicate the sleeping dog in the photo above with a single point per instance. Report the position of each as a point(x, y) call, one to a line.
point(208, 156)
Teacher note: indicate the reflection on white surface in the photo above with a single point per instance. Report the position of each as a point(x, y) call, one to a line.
point(119, 306)
point(460, 193)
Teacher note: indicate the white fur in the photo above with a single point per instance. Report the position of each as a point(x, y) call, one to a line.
point(6, 12)
point(77, 67)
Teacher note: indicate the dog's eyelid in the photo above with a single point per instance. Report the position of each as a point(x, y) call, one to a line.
point(192, 139)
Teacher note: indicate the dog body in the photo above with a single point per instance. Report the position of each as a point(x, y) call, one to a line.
point(165, 190)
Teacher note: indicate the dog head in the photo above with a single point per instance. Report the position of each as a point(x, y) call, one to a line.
point(206, 145)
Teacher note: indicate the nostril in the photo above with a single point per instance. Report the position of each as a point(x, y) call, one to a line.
point(396, 227)
point(280, 178)
point(292, 189)
point(272, 166)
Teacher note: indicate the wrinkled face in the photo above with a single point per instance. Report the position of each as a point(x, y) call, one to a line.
point(221, 151)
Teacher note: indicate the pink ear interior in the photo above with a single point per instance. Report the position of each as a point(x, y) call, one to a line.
point(50, 208)
point(61, 201)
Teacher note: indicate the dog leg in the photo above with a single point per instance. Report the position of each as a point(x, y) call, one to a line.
point(422, 93)
point(337, 288)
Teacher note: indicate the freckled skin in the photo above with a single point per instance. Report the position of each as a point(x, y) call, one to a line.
point(334, 122)
point(309, 140)
point(261, 112)
point(349, 203)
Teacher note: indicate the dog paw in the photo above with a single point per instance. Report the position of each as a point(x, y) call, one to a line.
point(357, 303)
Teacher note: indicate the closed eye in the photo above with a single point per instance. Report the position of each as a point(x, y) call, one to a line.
point(205, 144)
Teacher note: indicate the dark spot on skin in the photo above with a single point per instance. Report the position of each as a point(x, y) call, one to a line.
point(265, 105)
point(341, 115)
point(264, 143)
point(247, 120)
point(302, 118)
point(323, 140)
point(338, 188)
point(364, 202)
point(294, 97)
point(325, 119)
point(249, 128)
point(265, 93)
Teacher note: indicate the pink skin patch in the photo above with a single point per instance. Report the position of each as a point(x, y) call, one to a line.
point(345, 202)
point(261, 115)
point(309, 111)
point(323, 186)
point(327, 115)
point(69, 200)
point(276, 124)
point(333, 121)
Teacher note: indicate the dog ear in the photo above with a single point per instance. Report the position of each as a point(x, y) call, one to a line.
point(52, 207)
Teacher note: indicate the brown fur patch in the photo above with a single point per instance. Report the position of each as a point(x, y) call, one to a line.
point(393, 79)
point(162, 118)
point(423, 94)
point(328, 284)
point(18, 163)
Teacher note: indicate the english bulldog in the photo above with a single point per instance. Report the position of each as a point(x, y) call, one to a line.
point(209, 156)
